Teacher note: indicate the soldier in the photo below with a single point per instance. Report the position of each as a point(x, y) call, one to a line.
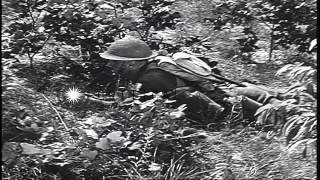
point(183, 77)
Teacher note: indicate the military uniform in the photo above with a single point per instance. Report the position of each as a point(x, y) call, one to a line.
point(205, 100)
point(202, 98)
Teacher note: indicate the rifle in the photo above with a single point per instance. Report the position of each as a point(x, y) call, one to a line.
point(228, 80)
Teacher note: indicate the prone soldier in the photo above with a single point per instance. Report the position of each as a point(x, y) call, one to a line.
point(183, 77)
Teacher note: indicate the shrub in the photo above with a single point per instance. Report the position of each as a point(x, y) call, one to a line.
point(301, 104)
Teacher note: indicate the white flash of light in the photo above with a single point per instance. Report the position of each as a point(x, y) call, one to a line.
point(73, 94)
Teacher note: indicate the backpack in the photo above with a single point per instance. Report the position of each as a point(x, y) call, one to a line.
point(187, 67)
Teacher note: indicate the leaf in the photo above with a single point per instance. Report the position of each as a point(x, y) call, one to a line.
point(305, 128)
point(146, 94)
point(306, 74)
point(301, 132)
point(314, 141)
point(86, 153)
point(128, 101)
point(9, 152)
point(178, 112)
point(62, 164)
point(106, 122)
point(308, 114)
point(31, 149)
point(115, 137)
point(296, 144)
point(310, 73)
point(154, 167)
point(91, 133)
point(182, 107)
point(263, 118)
point(148, 103)
point(300, 5)
point(103, 143)
point(167, 101)
point(99, 121)
point(287, 126)
point(299, 71)
point(237, 156)
point(90, 120)
point(313, 44)
point(294, 69)
point(11, 84)
point(314, 124)
point(263, 109)
point(135, 146)
point(284, 69)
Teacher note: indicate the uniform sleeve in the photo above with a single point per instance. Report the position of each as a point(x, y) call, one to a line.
point(255, 93)
point(157, 80)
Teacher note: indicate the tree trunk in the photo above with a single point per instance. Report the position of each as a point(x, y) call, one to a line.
point(271, 44)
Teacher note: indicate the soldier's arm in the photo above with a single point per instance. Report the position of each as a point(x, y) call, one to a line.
point(156, 80)
point(258, 93)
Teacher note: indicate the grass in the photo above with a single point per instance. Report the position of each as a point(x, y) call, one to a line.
point(237, 152)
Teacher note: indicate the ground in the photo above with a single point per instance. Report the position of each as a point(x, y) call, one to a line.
point(107, 135)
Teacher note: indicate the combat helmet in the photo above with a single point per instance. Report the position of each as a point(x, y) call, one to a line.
point(128, 49)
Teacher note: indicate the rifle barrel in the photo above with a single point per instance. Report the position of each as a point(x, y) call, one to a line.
point(228, 80)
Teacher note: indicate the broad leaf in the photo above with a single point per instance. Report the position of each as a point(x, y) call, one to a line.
point(9, 152)
point(87, 153)
point(154, 167)
point(103, 143)
point(115, 137)
point(91, 133)
point(31, 149)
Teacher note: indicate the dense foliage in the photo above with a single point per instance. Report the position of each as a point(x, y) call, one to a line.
point(111, 130)
point(288, 22)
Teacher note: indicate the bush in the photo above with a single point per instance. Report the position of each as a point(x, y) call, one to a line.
point(301, 104)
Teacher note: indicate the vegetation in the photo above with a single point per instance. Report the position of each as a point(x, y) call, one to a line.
point(67, 116)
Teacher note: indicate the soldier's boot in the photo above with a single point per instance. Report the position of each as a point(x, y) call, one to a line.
point(200, 106)
point(270, 116)
point(250, 106)
point(212, 111)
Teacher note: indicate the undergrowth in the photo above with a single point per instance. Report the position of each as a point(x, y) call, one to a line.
point(128, 135)
point(65, 115)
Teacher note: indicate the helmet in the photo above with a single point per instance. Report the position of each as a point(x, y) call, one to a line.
point(128, 49)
